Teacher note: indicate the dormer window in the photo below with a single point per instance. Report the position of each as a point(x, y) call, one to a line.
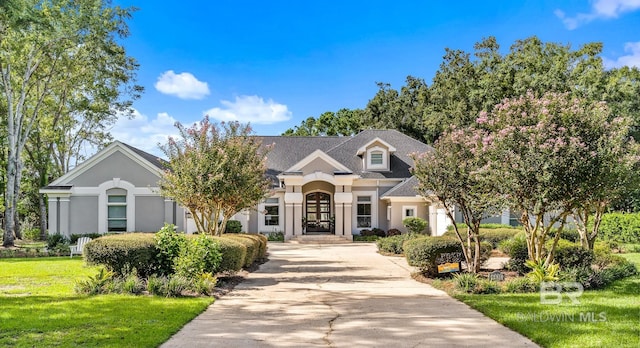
point(376, 158)
point(375, 155)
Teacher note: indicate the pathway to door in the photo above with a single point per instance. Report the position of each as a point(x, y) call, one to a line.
point(339, 296)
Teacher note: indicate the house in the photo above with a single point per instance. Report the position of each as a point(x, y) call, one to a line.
point(322, 185)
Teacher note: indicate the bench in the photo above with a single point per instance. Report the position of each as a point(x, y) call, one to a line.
point(79, 247)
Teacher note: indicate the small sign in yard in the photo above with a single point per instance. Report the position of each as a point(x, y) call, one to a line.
point(496, 275)
point(449, 267)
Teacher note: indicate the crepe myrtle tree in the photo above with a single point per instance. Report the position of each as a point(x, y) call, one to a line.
point(215, 171)
point(451, 173)
point(542, 154)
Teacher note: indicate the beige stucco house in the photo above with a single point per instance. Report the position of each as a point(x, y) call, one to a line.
point(322, 185)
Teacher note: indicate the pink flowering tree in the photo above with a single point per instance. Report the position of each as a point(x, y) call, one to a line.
point(451, 174)
point(215, 171)
point(544, 153)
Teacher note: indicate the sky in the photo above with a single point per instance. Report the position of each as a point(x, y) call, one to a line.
point(275, 63)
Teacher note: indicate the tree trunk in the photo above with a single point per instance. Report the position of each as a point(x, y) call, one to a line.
point(42, 202)
point(9, 202)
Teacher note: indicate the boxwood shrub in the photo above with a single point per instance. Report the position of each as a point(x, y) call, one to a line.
point(252, 245)
point(393, 244)
point(122, 253)
point(422, 252)
point(493, 235)
point(233, 255)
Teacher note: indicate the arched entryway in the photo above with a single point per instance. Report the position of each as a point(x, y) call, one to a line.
point(318, 213)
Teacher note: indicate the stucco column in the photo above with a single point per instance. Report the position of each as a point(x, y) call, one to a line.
point(343, 218)
point(347, 219)
point(168, 212)
point(293, 214)
point(64, 216)
point(505, 219)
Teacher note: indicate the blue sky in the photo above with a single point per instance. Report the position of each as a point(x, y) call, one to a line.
point(275, 63)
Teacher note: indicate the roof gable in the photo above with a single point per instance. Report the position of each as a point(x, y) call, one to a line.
point(314, 157)
point(136, 155)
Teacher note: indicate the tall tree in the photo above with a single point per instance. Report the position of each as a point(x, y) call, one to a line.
point(451, 174)
point(35, 58)
point(343, 122)
point(215, 172)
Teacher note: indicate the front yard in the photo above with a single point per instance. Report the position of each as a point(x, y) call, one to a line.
point(40, 308)
point(604, 318)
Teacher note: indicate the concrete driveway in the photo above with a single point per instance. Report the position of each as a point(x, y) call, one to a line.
point(339, 296)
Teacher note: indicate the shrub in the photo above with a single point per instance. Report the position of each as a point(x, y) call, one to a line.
point(275, 237)
point(394, 244)
point(423, 252)
point(378, 232)
point(497, 235)
point(233, 253)
point(73, 239)
point(197, 256)
point(516, 248)
point(205, 284)
point(132, 284)
point(415, 224)
point(157, 285)
point(393, 232)
point(620, 227)
point(520, 285)
point(32, 234)
point(541, 272)
point(366, 232)
point(486, 286)
point(169, 243)
point(55, 241)
point(496, 226)
point(256, 238)
point(571, 255)
point(233, 226)
point(253, 247)
point(570, 234)
point(95, 284)
point(121, 253)
point(177, 285)
point(466, 282)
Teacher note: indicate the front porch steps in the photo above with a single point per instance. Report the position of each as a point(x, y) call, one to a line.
point(320, 239)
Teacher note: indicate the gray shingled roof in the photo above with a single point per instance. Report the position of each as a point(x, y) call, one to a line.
point(406, 188)
point(153, 159)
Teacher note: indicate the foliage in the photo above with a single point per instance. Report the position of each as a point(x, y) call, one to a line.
point(361, 238)
point(96, 284)
point(169, 243)
point(252, 246)
point(466, 282)
point(393, 232)
point(541, 271)
point(491, 235)
point(620, 227)
point(62, 60)
point(415, 224)
point(275, 237)
point(122, 253)
point(520, 285)
point(424, 252)
point(215, 171)
point(114, 320)
point(344, 122)
point(373, 232)
point(197, 256)
point(394, 244)
point(450, 173)
point(487, 286)
point(517, 250)
point(234, 254)
point(57, 241)
point(569, 255)
point(233, 226)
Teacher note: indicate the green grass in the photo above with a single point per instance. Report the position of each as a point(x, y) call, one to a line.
point(40, 308)
point(615, 310)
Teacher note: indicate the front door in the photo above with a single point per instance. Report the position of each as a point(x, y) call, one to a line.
point(318, 212)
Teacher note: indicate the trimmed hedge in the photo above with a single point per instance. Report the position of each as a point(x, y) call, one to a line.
point(394, 244)
point(517, 249)
point(422, 252)
point(491, 235)
point(233, 226)
point(252, 245)
point(122, 253)
point(620, 227)
point(233, 255)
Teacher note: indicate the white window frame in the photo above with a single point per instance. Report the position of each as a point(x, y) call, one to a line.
point(385, 158)
point(271, 202)
point(413, 208)
point(354, 210)
point(262, 214)
point(117, 204)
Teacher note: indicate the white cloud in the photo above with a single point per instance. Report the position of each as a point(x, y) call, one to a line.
point(250, 108)
point(631, 59)
point(183, 85)
point(600, 9)
point(145, 133)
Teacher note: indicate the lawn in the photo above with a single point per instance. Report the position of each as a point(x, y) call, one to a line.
point(603, 318)
point(40, 308)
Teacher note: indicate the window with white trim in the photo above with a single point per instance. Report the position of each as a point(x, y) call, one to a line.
point(409, 211)
point(363, 214)
point(272, 212)
point(377, 158)
point(117, 213)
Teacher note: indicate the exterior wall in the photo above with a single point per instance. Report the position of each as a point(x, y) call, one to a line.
point(318, 165)
point(117, 165)
point(375, 202)
point(318, 186)
point(150, 215)
point(83, 217)
point(383, 222)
